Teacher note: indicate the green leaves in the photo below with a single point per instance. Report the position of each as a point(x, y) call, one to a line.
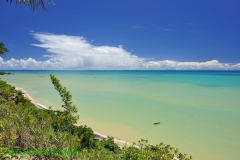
point(70, 109)
point(3, 49)
point(110, 145)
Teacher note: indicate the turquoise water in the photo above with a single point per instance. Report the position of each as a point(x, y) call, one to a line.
point(199, 111)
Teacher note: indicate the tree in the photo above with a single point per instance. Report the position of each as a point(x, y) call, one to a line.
point(70, 109)
point(3, 49)
point(41, 4)
point(69, 117)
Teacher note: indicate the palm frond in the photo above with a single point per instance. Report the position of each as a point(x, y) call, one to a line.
point(3, 49)
point(34, 4)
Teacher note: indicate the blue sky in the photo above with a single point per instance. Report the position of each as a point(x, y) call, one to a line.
point(186, 30)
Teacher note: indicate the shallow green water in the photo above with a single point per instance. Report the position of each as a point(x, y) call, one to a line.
point(199, 111)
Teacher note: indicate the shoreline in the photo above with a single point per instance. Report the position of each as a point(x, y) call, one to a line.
point(121, 143)
point(28, 96)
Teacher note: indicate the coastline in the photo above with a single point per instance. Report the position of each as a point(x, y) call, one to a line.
point(121, 143)
point(28, 96)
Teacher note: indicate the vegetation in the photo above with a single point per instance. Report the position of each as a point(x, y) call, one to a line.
point(3, 49)
point(4, 73)
point(42, 4)
point(32, 133)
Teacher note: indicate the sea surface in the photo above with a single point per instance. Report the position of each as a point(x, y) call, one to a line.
point(198, 111)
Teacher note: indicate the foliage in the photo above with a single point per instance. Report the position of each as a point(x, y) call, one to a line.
point(24, 127)
point(3, 49)
point(70, 109)
point(42, 4)
point(110, 145)
point(4, 73)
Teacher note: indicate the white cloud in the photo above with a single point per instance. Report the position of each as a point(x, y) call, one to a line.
point(208, 65)
point(74, 52)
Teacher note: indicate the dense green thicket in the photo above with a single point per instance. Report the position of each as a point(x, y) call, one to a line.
point(4, 73)
point(48, 134)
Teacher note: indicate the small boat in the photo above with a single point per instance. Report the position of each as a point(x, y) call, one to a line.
point(156, 123)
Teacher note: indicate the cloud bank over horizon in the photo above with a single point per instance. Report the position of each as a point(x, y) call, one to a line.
point(75, 52)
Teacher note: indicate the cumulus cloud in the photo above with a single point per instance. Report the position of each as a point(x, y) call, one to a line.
point(75, 52)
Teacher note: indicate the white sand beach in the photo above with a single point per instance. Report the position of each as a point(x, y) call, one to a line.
point(28, 96)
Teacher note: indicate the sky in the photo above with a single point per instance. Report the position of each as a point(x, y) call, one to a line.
point(123, 34)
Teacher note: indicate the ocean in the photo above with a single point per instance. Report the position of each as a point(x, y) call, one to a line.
point(198, 111)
